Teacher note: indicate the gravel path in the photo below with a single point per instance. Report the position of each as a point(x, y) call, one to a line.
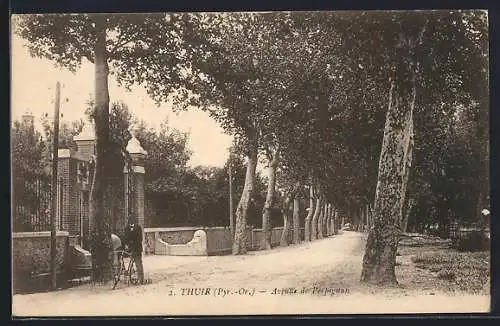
point(280, 281)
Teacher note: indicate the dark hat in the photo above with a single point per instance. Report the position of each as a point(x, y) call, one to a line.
point(132, 219)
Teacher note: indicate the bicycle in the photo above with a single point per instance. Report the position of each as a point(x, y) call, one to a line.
point(125, 268)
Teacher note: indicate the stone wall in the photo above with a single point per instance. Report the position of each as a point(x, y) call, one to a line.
point(31, 255)
point(218, 238)
point(258, 237)
point(180, 235)
point(197, 246)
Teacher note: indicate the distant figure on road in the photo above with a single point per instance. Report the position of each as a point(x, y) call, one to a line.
point(133, 240)
point(348, 227)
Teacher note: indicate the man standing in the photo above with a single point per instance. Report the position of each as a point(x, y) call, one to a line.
point(133, 240)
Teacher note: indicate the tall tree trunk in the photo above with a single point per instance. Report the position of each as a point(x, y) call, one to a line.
point(320, 220)
point(328, 221)
point(296, 220)
point(359, 212)
point(368, 222)
point(335, 221)
point(307, 222)
point(92, 201)
point(101, 249)
point(231, 201)
point(380, 254)
point(442, 211)
point(289, 199)
point(314, 224)
point(361, 218)
point(285, 211)
point(370, 217)
point(362, 213)
point(325, 219)
point(409, 207)
point(240, 236)
point(408, 203)
point(480, 204)
point(329, 231)
point(354, 218)
point(266, 212)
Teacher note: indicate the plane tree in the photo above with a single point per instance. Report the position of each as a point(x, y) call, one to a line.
point(123, 46)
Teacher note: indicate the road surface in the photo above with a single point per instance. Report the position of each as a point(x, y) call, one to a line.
point(279, 281)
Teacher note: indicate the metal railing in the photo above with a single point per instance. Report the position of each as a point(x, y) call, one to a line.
point(32, 201)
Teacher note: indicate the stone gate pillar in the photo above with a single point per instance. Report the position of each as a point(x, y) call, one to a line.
point(81, 181)
point(333, 220)
point(138, 156)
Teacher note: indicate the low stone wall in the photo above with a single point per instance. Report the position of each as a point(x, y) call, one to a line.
point(258, 237)
point(219, 240)
point(196, 247)
point(176, 241)
point(179, 235)
point(31, 255)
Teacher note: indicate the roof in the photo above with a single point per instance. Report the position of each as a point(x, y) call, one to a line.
point(134, 147)
point(87, 133)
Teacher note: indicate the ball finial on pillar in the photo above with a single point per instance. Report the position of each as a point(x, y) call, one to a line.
point(134, 148)
point(138, 157)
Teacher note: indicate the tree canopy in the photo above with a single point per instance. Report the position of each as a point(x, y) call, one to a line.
point(382, 109)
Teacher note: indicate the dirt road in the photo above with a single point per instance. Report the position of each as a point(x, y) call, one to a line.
point(280, 281)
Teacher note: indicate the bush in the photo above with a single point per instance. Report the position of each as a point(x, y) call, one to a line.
point(453, 270)
point(446, 274)
point(429, 259)
point(475, 240)
point(434, 232)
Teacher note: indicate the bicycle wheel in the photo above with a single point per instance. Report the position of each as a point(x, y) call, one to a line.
point(117, 273)
point(133, 275)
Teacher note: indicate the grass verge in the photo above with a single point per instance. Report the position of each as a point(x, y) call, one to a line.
point(424, 265)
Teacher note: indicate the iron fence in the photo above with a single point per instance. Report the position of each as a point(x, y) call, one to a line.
point(32, 201)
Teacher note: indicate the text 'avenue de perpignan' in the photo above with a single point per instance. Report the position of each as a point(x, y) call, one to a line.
point(243, 291)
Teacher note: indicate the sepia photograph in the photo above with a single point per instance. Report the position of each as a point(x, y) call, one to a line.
point(250, 163)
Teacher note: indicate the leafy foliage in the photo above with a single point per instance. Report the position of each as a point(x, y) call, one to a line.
point(314, 85)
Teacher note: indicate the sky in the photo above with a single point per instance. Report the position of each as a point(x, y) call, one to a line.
point(33, 83)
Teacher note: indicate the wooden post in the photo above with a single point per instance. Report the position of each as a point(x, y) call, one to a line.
point(53, 217)
point(81, 218)
point(231, 209)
